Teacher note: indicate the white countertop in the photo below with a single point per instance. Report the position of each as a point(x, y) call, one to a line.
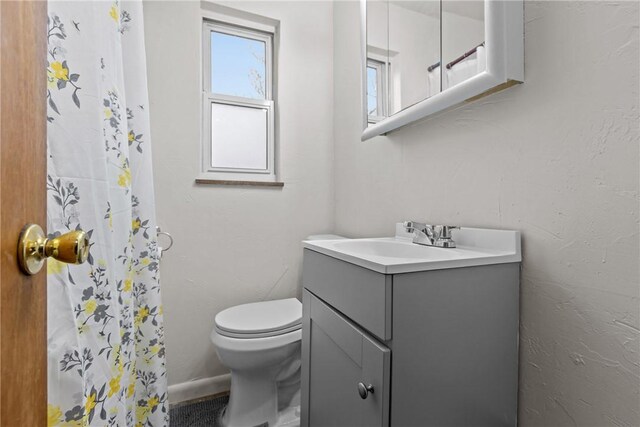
point(393, 255)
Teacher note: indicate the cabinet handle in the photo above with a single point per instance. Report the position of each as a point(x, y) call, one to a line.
point(364, 390)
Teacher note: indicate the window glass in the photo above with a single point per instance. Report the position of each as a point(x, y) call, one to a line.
point(238, 66)
point(372, 91)
point(238, 137)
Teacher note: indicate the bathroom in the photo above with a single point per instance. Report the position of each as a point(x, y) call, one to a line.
point(549, 153)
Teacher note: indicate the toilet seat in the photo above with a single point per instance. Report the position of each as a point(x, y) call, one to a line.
point(260, 320)
point(257, 334)
point(255, 344)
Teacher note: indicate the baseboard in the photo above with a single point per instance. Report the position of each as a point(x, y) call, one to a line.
point(199, 388)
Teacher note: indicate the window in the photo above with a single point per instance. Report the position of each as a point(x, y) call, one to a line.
point(376, 84)
point(238, 103)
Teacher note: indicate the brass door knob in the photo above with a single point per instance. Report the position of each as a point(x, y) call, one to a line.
point(34, 248)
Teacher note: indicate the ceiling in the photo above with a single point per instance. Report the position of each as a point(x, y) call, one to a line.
point(473, 9)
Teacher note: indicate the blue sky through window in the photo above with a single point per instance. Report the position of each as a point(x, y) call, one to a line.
point(372, 93)
point(238, 66)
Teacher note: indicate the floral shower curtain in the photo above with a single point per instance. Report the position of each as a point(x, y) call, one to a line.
point(105, 335)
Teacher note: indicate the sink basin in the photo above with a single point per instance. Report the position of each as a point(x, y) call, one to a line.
point(392, 248)
point(393, 255)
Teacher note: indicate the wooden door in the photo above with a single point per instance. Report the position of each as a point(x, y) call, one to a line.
point(338, 359)
point(23, 335)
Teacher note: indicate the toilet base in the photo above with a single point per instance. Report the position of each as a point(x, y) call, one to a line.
point(265, 373)
point(259, 399)
point(253, 400)
point(287, 417)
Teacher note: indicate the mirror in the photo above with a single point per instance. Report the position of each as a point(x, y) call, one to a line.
point(463, 51)
point(377, 59)
point(403, 54)
point(424, 56)
point(414, 52)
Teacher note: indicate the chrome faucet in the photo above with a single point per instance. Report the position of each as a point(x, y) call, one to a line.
point(431, 235)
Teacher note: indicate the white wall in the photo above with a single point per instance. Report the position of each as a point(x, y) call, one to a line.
point(414, 37)
point(460, 33)
point(235, 245)
point(556, 158)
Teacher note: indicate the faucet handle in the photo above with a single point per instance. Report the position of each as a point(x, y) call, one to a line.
point(444, 239)
point(446, 231)
point(414, 225)
point(421, 227)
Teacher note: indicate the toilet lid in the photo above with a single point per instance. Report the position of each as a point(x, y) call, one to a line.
point(261, 317)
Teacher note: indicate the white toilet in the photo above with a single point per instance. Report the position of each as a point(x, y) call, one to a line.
point(260, 344)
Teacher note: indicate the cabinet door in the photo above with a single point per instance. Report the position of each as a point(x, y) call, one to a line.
point(338, 359)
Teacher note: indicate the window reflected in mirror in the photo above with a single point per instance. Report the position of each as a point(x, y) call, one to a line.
point(377, 59)
point(376, 83)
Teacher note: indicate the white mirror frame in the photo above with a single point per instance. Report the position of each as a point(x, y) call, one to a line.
point(504, 36)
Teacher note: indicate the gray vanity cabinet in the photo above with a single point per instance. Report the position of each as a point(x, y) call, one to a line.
point(439, 348)
point(344, 358)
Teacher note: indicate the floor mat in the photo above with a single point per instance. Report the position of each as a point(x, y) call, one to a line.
point(198, 414)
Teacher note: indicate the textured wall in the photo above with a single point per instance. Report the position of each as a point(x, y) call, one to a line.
point(558, 159)
point(235, 245)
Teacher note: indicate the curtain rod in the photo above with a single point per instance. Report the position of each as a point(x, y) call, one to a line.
point(457, 60)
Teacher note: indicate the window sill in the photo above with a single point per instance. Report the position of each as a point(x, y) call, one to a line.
point(271, 184)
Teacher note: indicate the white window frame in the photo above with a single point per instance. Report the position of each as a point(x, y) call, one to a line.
point(239, 29)
point(381, 88)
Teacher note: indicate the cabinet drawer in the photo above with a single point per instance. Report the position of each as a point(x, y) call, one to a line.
point(338, 360)
point(362, 295)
